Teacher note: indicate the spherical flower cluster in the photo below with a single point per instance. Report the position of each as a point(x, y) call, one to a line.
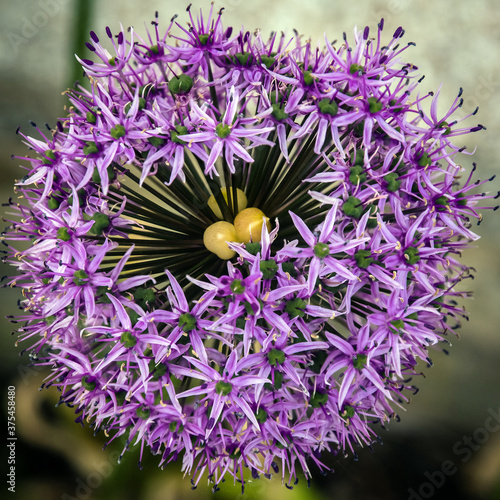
point(239, 248)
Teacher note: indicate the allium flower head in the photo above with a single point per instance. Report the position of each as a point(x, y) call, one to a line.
point(240, 247)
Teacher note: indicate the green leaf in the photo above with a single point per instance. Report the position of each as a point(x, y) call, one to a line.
point(101, 222)
point(203, 39)
point(398, 325)
point(63, 234)
point(268, 61)
point(411, 255)
point(244, 58)
point(321, 250)
point(356, 68)
point(289, 267)
point(222, 130)
point(328, 107)
point(295, 307)
point(363, 259)
point(91, 117)
point(357, 174)
point(90, 386)
point(359, 159)
point(261, 415)
point(276, 357)
point(133, 315)
point(279, 112)
point(397, 109)
point(53, 203)
point(278, 380)
point(425, 160)
point(96, 176)
point(120, 397)
point(353, 207)
point(80, 277)
point(445, 125)
point(223, 388)
point(143, 412)
point(181, 84)
point(144, 296)
point(318, 399)
point(179, 130)
point(308, 78)
point(359, 361)
point(157, 371)
point(442, 203)
point(128, 340)
point(252, 248)
point(142, 105)
point(50, 154)
point(393, 182)
point(158, 142)
point(187, 322)
point(268, 268)
point(117, 131)
point(348, 412)
point(237, 287)
point(374, 105)
point(90, 148)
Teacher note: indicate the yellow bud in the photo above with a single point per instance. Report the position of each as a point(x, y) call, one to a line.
point(215, 237)
point(248, 224)
point(240, 198)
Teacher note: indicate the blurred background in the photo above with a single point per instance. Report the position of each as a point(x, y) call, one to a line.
point(447, 443)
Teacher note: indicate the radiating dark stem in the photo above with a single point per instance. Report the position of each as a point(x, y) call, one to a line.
point(168, 219)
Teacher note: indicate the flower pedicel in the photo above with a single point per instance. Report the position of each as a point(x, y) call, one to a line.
point(238, 247)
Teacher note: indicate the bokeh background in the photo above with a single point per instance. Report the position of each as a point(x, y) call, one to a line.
point(447, 426)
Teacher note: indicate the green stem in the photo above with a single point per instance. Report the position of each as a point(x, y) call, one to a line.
point(82, 20)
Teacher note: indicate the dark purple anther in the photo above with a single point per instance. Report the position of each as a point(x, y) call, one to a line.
point(399, 32)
